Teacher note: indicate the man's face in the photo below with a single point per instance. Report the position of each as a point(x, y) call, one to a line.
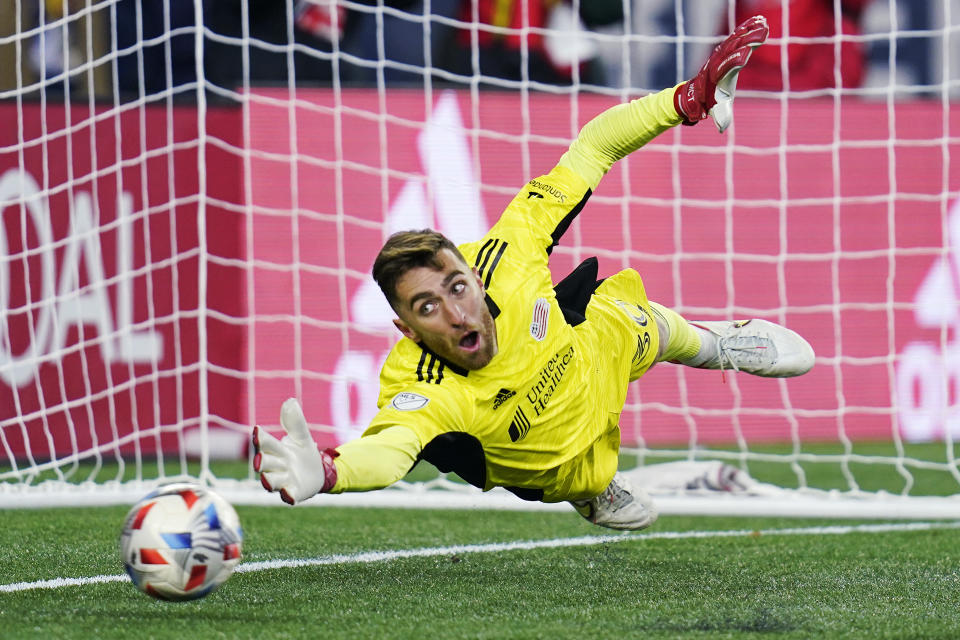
point(445, 310)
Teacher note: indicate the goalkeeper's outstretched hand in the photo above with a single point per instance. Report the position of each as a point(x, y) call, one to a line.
point(710, 92)
point(294, 466)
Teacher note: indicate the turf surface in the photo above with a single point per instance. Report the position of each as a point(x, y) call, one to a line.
point(891, 584)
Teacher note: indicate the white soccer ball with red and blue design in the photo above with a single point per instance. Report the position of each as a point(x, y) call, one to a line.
point(181, 542)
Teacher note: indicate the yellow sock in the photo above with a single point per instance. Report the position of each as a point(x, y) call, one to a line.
point(684, 340)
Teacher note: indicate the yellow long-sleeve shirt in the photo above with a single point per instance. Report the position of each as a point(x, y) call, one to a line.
point(543, 399)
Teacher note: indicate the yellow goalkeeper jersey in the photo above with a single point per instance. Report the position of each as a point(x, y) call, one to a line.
point(548, 394)
point(541, 418)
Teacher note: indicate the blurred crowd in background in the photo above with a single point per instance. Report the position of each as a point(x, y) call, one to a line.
point(141, 47)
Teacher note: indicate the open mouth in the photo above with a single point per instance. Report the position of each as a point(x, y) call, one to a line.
point(470, 341)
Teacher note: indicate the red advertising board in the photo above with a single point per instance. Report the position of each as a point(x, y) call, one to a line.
point(101, 307)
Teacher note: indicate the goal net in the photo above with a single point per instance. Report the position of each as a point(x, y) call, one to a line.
point(193, 194)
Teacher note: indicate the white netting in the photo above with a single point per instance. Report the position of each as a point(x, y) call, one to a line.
point(193, 194)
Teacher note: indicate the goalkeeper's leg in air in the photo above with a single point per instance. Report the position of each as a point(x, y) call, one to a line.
point(757, 347)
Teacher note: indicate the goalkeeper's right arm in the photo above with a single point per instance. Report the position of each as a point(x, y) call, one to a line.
point(297, 469)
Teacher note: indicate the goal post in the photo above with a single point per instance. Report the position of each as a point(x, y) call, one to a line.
point(191, 203)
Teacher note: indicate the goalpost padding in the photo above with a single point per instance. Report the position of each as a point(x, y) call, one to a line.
point(173, 269)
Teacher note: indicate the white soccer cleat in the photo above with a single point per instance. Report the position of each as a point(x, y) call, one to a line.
point(758, 347)
point(620, 506)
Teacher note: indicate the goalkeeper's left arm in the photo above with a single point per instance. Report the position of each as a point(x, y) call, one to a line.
point(617, 132)
point(623, 129)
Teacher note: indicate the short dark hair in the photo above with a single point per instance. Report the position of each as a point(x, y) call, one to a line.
point(407, 250)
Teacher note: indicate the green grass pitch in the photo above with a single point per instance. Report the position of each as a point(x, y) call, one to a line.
point(686, 577)
point(802, 582)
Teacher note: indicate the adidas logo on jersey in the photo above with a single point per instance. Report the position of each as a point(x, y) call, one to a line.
point(502, 396)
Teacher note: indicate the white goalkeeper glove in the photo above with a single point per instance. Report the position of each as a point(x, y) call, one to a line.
point(294, 466)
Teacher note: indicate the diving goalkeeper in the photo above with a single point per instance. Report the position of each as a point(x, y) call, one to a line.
point(507, 380)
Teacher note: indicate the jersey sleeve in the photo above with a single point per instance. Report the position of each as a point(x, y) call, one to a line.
point(426, 409)
point(410, 417)
point(618, 132)
point(377, 460)
point(535, 219)
point(543, 210)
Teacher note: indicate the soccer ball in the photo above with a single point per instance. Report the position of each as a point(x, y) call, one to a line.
point(180, 542)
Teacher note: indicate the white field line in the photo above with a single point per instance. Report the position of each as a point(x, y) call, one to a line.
point(366, 557)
